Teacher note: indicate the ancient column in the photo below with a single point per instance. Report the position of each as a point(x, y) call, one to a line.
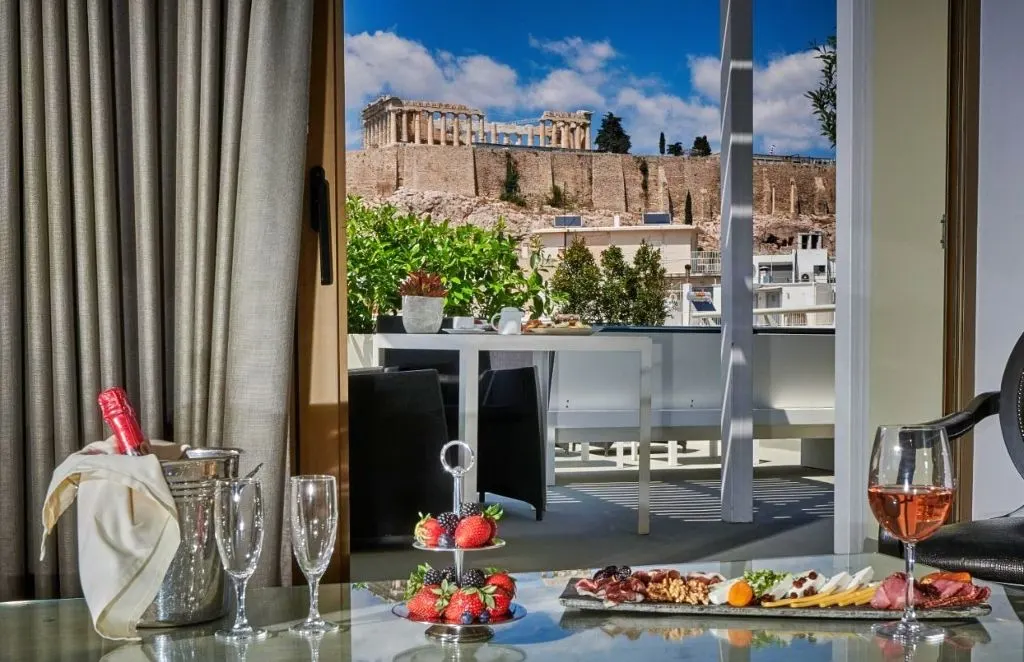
point(456, 130)
point(366, 140)
point(504, 138)
point(586, 137)
point(481, 134)
point(444, 128)
point(529, 135)
point(469, 129)
point(417, 118)
point(494, 134)
point(792, 196)
point(565, 135)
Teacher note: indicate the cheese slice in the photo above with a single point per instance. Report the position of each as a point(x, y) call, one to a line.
point(862, 578)
point(837, 583)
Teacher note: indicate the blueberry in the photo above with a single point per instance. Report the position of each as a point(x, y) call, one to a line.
point(467, 618)
point(484, 617)
point(445, 540)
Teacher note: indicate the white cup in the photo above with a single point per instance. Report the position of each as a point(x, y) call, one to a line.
point(508, 322)
point(463, 323)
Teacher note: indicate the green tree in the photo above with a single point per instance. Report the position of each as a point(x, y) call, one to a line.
point(675, 149)
point(823, 98)
point(578, 280)
point(701, 146)
point(618, 283)
point(479, 267)
point(648, 303)
point(661, 143)
point(688, 210)
point(611, 137)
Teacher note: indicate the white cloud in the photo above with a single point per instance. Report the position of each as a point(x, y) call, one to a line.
point(585, 76)
point(581, 55)
point(563, 89)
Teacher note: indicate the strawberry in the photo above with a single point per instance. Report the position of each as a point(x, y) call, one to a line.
point(473, 531)
point(428, 530)
point(471, 601)
point(430, 602)
point(503, 581)
point(502, 603)
point(493, 513)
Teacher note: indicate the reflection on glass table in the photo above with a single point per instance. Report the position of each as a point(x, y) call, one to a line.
point(61, 630)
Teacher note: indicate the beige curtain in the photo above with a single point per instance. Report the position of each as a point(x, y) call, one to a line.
point(151, 185)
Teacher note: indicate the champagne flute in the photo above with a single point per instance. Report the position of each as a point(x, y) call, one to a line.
point(239, 533)
point(910, 489)
point(314, 511)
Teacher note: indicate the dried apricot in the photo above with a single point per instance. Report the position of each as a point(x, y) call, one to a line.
point(740, 594)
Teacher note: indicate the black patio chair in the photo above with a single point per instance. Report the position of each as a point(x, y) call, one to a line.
point(396, 431)
point(991, 549)
point(446, 363)
point(511, 441)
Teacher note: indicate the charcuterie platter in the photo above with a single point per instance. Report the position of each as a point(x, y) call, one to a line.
point(767, 594)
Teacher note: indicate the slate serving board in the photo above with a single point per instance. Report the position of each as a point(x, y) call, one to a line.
point(573, 600)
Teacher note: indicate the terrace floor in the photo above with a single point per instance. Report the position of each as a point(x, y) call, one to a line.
point(591, 519)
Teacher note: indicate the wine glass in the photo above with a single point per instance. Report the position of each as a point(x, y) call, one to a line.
point(314, 510)
point(910, 489)
point(239, 532)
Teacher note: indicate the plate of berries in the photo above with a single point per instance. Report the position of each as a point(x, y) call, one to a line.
point(473, 527)
point(460, 606)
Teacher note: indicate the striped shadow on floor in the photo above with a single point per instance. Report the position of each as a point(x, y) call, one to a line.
point(699, 500)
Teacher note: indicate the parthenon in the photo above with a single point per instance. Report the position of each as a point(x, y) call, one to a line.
point(390, 120)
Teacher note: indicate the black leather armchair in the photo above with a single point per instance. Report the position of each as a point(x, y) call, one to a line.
point(446, 363)
point(512, 453)
point(990, 549)
point(396, 431)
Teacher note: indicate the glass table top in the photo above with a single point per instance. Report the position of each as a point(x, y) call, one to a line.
point(61, 629)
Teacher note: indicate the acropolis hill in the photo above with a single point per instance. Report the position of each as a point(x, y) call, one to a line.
point(461, 175)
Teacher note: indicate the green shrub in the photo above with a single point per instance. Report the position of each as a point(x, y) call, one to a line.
point(578, 280)
point(617, 293)
point(478, 267)
point(510, 186)
point(649, 307)
point(558, 198)
point(618, 283)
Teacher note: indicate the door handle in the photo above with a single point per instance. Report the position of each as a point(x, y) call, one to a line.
point(320, 220)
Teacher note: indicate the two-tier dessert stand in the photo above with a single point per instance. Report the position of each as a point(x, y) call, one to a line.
point(459, 633)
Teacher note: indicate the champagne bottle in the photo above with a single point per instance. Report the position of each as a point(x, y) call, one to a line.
point(120, 416)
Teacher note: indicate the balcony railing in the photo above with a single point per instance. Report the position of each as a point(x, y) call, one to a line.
point(706, 263)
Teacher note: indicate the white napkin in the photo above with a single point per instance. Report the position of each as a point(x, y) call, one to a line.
point(128, 529)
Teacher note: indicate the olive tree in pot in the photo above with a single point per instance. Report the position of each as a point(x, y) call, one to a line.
point(422, 302)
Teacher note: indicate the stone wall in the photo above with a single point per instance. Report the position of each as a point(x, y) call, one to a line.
point(591, 180)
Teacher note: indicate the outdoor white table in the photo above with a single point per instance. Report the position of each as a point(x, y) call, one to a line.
point(469, 347)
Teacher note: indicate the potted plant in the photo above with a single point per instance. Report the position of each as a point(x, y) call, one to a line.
point(422, 302)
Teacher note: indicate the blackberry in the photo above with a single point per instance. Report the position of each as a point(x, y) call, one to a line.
point(446, 541)
point(470, 509)
point(433, 576)
point(449, 574)
point(623, 572)
point(472, 577)
point(448, 521)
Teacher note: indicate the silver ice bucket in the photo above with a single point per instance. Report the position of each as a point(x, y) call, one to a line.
point(193, 588)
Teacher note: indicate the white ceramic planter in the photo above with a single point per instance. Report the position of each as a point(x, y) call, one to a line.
point(422, 314)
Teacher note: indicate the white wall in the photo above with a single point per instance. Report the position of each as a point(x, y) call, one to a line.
point(890, 194)
point(998, 488)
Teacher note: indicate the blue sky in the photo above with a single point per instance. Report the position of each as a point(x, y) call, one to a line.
point(653, 62)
